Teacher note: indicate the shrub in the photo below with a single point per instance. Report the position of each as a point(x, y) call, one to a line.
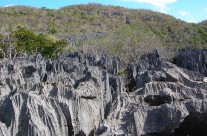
point(28, 41)
point(122, 72)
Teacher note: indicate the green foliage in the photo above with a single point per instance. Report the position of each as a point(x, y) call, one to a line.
point(28, 41)
point(122, 72)
point(52, 29)
point(6, 47)
point(128, 42)
point(2, 46)
point(148, 30)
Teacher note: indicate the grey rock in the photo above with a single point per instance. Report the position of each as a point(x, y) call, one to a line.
point(194, 60)
point(80, 94)
point(128, 21)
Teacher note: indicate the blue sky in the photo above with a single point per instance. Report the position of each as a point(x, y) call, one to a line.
point(187, 10)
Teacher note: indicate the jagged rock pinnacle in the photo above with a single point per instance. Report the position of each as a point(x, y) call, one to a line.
point(78, 94)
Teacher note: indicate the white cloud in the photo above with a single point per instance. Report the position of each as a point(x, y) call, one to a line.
point(185, 13)
point(162, 4)
point(10, 5)
point(205, 10)
point(163, 11)
point(192, 21)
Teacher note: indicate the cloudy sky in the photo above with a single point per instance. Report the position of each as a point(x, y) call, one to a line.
point(187, 10)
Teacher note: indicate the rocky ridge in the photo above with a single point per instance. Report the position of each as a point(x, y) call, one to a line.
point(78, 94)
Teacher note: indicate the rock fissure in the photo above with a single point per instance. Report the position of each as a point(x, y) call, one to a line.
point(79, 94)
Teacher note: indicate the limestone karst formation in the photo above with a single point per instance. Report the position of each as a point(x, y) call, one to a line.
point(79, 94)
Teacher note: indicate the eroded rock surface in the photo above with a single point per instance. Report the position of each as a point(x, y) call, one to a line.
point(79, 94)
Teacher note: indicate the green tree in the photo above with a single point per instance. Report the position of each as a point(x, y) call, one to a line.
point(28, 41)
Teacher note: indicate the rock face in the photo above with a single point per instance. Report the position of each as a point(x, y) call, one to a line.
point(194, 60)
point(79, 94)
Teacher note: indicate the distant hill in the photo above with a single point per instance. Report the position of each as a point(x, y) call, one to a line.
point(100, 28)
point(204, 23)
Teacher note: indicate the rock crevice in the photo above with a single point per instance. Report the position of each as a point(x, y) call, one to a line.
point(79, 94)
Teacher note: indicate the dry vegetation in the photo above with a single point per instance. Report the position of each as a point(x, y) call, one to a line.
point(148, 30)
